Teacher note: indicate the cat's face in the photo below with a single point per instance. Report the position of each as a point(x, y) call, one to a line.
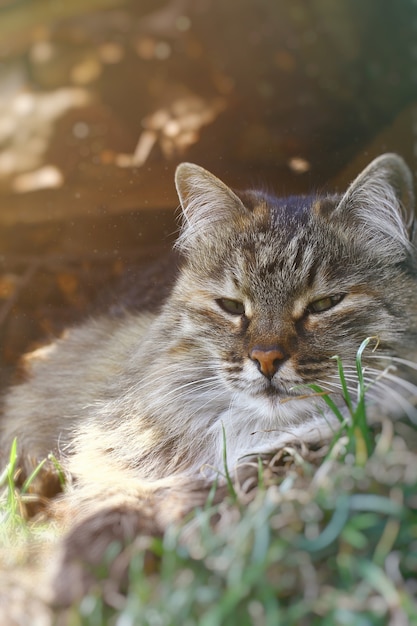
point(273, 289)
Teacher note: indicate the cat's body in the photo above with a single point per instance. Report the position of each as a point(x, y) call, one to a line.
point(268, 292)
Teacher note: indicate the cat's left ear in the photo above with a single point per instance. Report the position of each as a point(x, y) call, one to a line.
point(207, 204)
point(381, 200)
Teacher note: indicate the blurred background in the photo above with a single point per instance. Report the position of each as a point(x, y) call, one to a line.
point(101, 99)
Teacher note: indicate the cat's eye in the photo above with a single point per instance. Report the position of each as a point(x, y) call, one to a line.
point(234, 307)
point(324, 304)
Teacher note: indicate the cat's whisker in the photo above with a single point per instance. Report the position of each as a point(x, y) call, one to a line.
point(373, 376)
point(335, 389)
point(404, 384)
point(394, 359)
point(324, 383)
point(407, 407)
point(175, 388)
point(202, 388)
point(192, 383)
point(372, 382)
point(353, 388)
point(151, 380)
point(388, 368)
point(232, 403)
point(353, 377)
point(338, 386)
point(353, 380)
point(203, 382)
point(210, 400)
point(306, 396)
point(378, 380)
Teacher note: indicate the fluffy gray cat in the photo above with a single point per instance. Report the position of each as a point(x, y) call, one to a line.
point(138, 410)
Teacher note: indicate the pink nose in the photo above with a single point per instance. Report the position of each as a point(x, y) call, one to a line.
point(268, 360)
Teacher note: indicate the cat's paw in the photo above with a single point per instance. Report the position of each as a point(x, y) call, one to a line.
point(98, 548)
point(96, 553)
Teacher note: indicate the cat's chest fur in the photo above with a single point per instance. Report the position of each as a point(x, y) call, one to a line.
point(269, 290)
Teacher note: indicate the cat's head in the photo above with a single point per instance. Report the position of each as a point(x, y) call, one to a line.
point(273, 288)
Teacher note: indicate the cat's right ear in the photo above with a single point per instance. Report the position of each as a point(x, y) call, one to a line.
point(207, 204)
point(380, 203)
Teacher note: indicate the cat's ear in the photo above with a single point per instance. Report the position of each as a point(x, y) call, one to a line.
point(207, 203)
point(380, 201)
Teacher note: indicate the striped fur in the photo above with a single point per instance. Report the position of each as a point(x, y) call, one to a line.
point(138, 405)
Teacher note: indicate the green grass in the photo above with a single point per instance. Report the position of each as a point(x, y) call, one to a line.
point(360, 441)
point(13, 498)
point(328, 538)
point(340, 549)
point(18, 536)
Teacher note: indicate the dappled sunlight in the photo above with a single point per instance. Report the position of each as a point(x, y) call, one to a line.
point(27, 123)
point(174, 128)
point(181, 442)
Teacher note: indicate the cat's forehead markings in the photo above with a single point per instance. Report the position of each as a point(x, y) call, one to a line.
point(296, 209)
point(299, 308)
point(324, 206)
point(316, 207)
point(260, 209)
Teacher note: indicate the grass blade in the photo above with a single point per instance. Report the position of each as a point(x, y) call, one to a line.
point(229, 481)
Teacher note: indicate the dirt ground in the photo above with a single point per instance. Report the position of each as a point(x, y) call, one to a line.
point(101, 99)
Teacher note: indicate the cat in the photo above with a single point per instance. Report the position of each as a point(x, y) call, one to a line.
point(142, 410)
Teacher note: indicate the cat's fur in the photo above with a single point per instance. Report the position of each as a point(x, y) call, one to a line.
point(138, 409)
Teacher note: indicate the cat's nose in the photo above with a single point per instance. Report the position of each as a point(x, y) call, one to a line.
point(268, 360)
